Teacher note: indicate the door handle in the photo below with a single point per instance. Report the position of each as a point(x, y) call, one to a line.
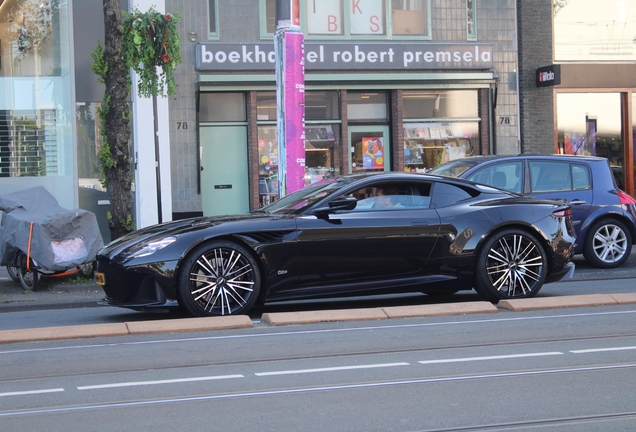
point(419, 223)
point(577, 202)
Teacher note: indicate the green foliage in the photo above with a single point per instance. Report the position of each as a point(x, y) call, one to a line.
point(128, 223)
point(100, 66)
point(151, 43)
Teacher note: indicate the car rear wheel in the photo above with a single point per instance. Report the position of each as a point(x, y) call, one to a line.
point(608, 244)
point(219, 278)
point(511, 264)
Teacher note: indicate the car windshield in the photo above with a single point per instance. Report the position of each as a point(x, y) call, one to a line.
point(304, 198)
point(454, 168)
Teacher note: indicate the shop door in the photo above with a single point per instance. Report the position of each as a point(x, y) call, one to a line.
point(370, 149)
point(224, 178)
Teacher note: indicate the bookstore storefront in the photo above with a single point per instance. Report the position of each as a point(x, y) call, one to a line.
point(378, 114)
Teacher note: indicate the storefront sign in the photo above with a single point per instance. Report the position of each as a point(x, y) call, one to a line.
point(348, 56)
point(548, 76)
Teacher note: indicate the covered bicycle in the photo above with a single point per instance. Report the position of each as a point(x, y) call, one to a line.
point(40, 238)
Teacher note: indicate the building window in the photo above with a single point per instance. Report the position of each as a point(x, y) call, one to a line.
point(222, 107)
point(590, 124)
point(367, 106)
point(356, 19)
point(267, 14)
point(471, 19)
point(439, 126)
point(592, 30)
point(409, 17)
point(213, 19)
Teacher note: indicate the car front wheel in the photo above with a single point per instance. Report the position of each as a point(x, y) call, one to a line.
point(608, 244)
point(219, 278)
point(511, 264)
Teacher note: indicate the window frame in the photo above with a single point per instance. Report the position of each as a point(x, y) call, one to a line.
point(346, 20)
point(213, 35)
point(471, 36)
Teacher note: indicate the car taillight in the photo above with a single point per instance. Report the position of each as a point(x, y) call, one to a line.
point(562, 213)
point(624, 198)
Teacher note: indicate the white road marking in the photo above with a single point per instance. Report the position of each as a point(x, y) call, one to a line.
point(32, 392)
point(331, 369)
point(500, 357)
point(145, 383)
point(312, 390)
point(585, 351)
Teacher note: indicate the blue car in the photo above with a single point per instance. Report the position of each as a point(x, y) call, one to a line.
point(604, 216)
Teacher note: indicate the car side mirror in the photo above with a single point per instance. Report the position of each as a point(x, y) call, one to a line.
point(341, 203)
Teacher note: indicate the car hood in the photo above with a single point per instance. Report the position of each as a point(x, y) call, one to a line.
point(176, 228)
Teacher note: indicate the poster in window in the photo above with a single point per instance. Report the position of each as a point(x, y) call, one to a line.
point(373, 153)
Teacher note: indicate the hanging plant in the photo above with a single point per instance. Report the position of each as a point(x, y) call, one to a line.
point(152, 48)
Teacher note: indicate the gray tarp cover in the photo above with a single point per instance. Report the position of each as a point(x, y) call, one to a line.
point(62, 239)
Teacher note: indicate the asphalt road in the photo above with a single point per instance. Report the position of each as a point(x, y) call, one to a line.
point(566, 370)
point(73, 305)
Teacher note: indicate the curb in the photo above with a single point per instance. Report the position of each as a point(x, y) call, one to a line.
point(308, 317)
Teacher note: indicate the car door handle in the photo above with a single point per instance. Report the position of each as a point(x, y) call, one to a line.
point(419, 223)
point(577, 202)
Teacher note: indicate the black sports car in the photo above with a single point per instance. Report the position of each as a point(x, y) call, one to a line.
point(352, 235)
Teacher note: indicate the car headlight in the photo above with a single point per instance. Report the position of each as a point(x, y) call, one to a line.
point(146, 249)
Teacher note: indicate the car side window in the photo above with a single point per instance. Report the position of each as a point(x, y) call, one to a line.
point(393, 196)
point(550, 176)
point(445, 194)
point(505, 175)
point(581, 177)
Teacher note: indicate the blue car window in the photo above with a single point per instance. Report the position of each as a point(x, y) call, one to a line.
point(550, 176)
point(505, 175)
point(581, 178)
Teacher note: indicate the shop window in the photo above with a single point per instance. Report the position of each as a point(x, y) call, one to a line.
point(322, 152)
point(590, 124)
point(367, 106)
point(213, 19)
point(383, 19)
point(222, 107)
point(592, 30)
point(266, 106)
point(439, 126)
point(322, 105)
point(268, 164)
point(440, 104)
point(36, 115)
point(427, 145)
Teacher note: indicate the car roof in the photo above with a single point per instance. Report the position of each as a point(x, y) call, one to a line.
point(533, 156)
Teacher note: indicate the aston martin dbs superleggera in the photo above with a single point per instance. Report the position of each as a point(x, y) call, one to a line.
point(352, 235)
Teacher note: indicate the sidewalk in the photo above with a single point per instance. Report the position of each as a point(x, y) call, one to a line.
point(52, 293)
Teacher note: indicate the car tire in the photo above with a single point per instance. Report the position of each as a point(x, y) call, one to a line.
point(608, 244)
point(219, 278)
point(511, 264)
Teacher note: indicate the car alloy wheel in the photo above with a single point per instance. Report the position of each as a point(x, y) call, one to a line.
point(608, 244)
point(221, 278)
point(511, 264)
